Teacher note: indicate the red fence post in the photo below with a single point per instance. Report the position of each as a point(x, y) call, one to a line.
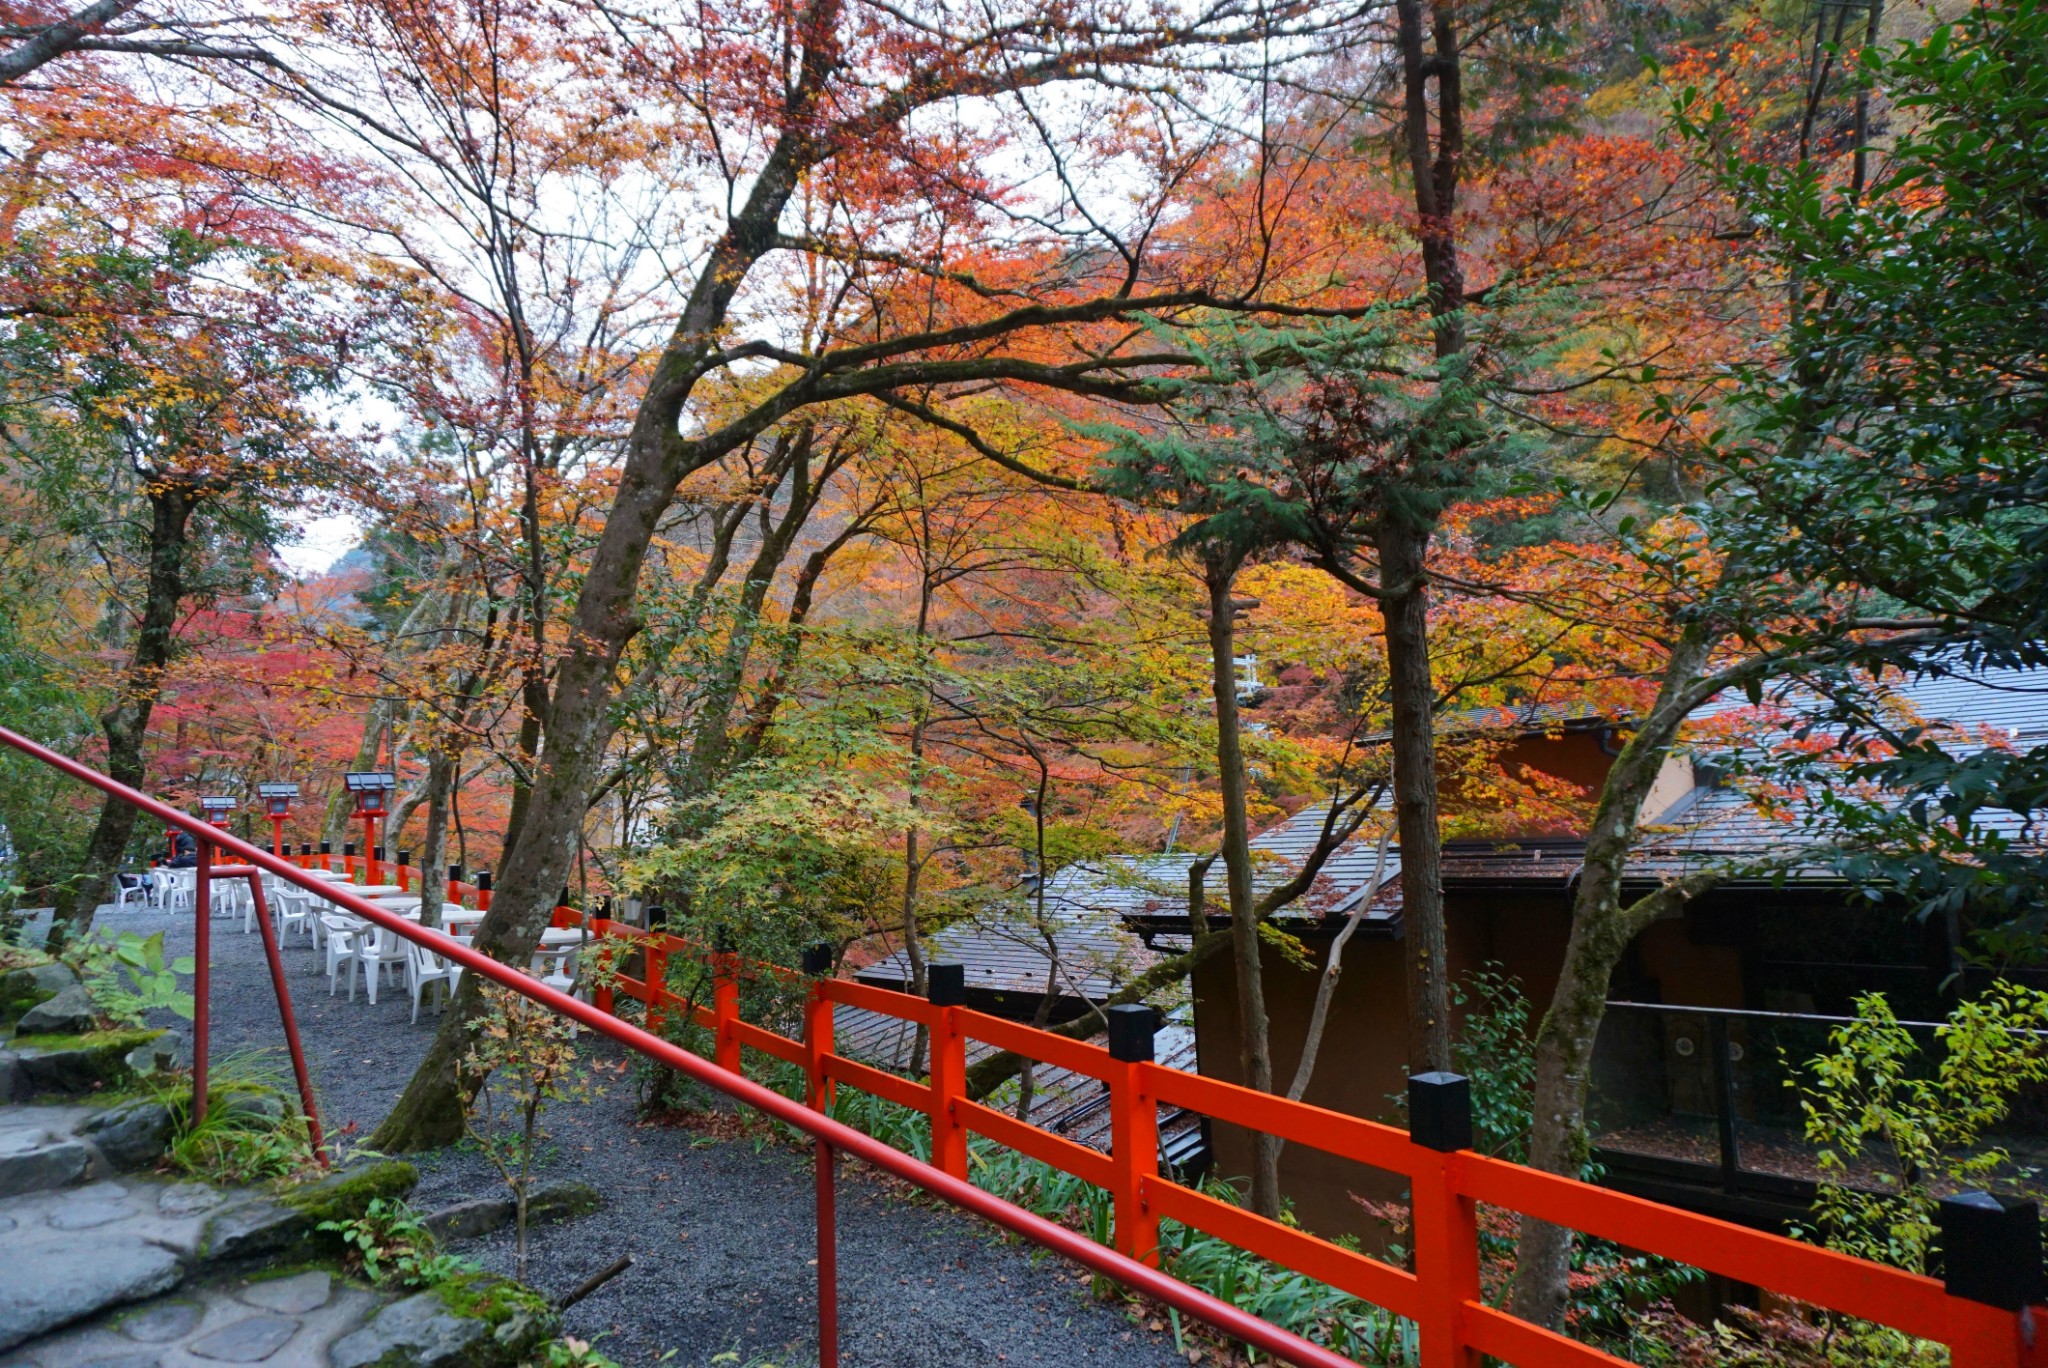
point(202, 974)
point(818, 1027)
point(1133, 1129)
point(818, 1044)
point(291, 1024)
point(1991, 1268)
point(725, 1010)
point(1446, 1221)
point(607, 960)
point(946, 990)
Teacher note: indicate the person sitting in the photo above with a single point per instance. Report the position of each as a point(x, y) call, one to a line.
point(184, 851)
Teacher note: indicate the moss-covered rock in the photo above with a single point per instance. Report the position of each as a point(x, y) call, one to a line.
point(474, 1320)
point(287, 1225)
point(346, 1196)
point(520, 1319)
point(87, 1063)
point(23, 988)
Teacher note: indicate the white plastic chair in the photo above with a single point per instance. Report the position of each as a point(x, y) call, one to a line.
point(339, 933)
point(290, 908)
point(375, 947)
point(129, 888)
point(422, 967)
point(556, 965)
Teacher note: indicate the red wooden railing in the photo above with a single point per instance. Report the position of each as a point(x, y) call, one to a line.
point(1441, 1293)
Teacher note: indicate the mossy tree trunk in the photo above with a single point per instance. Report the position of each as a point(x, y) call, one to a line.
point(125, 722)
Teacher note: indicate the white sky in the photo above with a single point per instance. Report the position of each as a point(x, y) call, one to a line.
point(322, 539)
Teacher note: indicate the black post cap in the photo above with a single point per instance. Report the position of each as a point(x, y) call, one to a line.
point(945, 985)
point(305, 848)
point(405, 857)
point(454, 873)
point(483, 880)
point(377, 853)
point(327, 847)
point(1440, 1111)
point(348, 849)
point(817, 959)
point(1131, 1028)
point(1991, 1249)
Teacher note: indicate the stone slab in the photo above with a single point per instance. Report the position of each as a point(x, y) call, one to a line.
point(161, 1322)
point(420, 1330)
point(32, 1161)
point(53, 1282)
point(245, 1341)
point(293, 1296)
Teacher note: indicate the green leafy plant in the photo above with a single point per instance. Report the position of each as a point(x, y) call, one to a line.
point(392, 1248)
point(128, 976)
point(570, 1352)
point(526, 1057)
point(1872, 1100)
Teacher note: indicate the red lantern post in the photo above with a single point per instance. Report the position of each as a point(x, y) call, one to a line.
point(277, 805)
point(373, 789)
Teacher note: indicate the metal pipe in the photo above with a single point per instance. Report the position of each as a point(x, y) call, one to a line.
point(1749, 1015)
point(307, 1106)
point(1150, 1282)
point(828, 1259)
point(202, 967)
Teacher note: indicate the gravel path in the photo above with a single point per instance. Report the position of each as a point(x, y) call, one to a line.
point(721, 1235)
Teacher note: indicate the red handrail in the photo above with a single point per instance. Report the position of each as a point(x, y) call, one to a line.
point(832, 1134)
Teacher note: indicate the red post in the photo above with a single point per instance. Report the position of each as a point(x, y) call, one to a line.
point(277, 835)
point(1133, 1129)
point(202, 974)
point(291, 1025)
point(817, 1046)
point(607, 958)
point(828, 1259)
point(946, 989)
point(1446, 1221)
point(725, 1010)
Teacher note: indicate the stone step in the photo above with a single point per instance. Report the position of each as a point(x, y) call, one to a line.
point(39, 1152)
point(78, 1252)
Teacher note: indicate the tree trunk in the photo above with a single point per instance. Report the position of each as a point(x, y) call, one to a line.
point(441, 768)
point(526, 747)
point(579, 722)
point(1412, 699)
point(1333, 968)
point(1601, 931)
point(1254, 1042)
point(125, 723)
